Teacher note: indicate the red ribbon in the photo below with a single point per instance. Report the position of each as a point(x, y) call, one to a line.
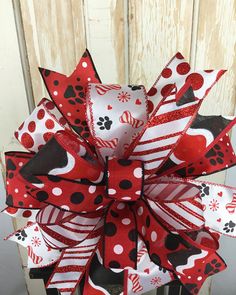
point(86, 203)
point(118, 200)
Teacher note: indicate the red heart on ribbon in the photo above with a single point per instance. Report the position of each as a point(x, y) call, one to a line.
point(147, 270)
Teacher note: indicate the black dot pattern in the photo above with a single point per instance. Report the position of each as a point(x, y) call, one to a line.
point(9, 200)
point(156, 259)
point(110, 229)
point(114, 264)
point(133, 235)
point(54, 178)
point(114, 213)
point(42, 196)
point(124, 162)
point(125, 184)
point(172, 242)
point(148, 221)
point(10, 165)
point(77, 198)
point(98, 200)
point(125, 181)
point(133, 254)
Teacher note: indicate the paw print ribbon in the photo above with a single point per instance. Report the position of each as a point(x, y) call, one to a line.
point(109, 167)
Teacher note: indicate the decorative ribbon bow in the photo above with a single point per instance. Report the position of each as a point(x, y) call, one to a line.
point(111, 171)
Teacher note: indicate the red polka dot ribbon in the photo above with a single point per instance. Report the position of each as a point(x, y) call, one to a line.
point(109, 180)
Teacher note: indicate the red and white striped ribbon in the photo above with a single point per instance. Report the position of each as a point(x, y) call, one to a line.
point(72, 266)
point(135, 279)
point(103, 89)
point(126, 117)
point(231, 207)
point(62, 229)
point(112, 143)
point(34, 257)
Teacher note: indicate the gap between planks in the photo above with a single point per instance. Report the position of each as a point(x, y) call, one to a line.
point(23, 54)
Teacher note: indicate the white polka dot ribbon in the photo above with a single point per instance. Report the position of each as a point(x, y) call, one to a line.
point(85, 200)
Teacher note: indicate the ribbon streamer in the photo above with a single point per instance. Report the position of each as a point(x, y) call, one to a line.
point(109, 181)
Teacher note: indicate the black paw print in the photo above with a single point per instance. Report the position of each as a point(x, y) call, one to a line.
point(212, 267)
point(229, 227)
point(204, 190)
point(81, 128)
point(73, 98)
point(193, 288)
point(135, 87)
point(215, 155)
point(162, 269)
point(104, 123)
point(21, 235)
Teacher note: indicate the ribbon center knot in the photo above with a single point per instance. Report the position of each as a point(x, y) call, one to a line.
point(124, 179)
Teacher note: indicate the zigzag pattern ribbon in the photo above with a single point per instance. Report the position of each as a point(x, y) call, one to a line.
point(109, 181)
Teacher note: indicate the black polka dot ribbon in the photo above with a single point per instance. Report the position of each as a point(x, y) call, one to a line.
point(118, 200)
point(84, 201)
point(124, 179)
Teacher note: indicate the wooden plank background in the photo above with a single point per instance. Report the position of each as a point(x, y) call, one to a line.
point(130, 41)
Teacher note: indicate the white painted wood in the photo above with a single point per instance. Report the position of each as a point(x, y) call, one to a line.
point(13, 102)
point(105, 35)
point(157, 30)
point(35, 287)
point(12, 279)
point(215, 48)
point(13, 110)
point(57, 32)
point(54, 36)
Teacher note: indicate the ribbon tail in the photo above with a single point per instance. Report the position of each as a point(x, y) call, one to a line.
point(194, 266)
point(176, 203)
point(157, 238)
point(30, 237)
point(96, 278)
point(30, 214)
point(70, 93)
point(183, 253)
point(91, 288)
point(219, 202)
point(72, 266)
point(148, 275)
point(120, 240)
point(180, 216)
point(165, 123)
point(220, 157)
point(207, 131)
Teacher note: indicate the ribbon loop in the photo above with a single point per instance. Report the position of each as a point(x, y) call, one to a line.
point(124, 179)
point(62, 229)
point(116, 115)
point(40, 126)
point(82, 200)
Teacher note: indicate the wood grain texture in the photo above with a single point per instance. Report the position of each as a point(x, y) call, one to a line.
point(157, 30)
point(105, 34)
point(13, 102)
point(35, 287)
point(54, 36)
point(216, 48)
point(56, 33)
